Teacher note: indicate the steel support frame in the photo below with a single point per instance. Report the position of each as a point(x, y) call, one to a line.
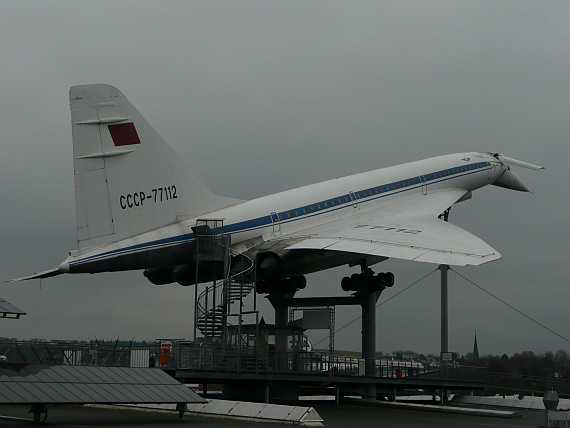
point(331, 310)
point(366, 299)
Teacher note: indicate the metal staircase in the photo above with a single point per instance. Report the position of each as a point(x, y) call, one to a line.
point(214, 303)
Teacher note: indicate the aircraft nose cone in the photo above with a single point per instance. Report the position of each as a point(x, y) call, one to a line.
point(510, 180)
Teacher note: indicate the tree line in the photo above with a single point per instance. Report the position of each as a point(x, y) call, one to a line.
point(527, 363)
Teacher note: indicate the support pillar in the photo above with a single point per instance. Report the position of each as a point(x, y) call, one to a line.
point(180, 408)
point(281, 320)
point(37, 409)
point(279, 303)
point(444, 325)
point(368, 303)
point(281, 312)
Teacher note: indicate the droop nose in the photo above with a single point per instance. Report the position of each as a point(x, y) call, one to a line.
point(509, 180)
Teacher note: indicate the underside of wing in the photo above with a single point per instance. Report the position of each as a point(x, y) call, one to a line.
point(408, 230)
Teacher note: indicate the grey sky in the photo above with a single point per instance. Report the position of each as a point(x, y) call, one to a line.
point(259, 97)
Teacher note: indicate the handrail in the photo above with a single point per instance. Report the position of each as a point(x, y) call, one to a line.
point(205, 357)
point(248, 360)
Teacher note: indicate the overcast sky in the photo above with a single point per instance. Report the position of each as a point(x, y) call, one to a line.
point(259, 97)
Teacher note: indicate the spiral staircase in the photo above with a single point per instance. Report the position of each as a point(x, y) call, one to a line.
point(213, 305)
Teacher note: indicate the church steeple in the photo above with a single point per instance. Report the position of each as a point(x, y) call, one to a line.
point(475, 349)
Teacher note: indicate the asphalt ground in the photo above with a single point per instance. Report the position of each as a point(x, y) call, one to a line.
point(341, 416)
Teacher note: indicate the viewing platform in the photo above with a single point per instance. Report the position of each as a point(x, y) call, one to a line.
point(270, 375)
point(274, 375)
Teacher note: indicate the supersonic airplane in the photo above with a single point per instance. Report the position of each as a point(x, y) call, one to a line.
point(140, 207)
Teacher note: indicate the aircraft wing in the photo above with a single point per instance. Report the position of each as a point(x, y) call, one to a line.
point(409, 229)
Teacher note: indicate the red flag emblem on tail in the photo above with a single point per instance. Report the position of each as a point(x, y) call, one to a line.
point(124, 134)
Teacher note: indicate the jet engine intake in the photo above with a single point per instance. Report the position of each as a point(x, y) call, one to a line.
point(269, 265)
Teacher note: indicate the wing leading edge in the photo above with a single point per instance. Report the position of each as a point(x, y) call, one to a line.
point(407, 230)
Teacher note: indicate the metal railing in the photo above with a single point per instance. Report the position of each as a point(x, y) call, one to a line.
point(232, 360)
point(59, 353)
point(213, 304)
point(526, 385)
point(207, 357)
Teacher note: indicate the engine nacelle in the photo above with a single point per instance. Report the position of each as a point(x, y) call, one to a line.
point(278, 264)
point(184, 274)
point(160, 275)
point(269, 265)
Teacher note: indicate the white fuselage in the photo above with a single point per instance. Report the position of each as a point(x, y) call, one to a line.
point(253, 222)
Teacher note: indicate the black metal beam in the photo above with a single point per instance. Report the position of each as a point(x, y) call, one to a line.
point(323, 301)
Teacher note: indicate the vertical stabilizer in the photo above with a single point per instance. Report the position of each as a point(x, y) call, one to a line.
point(127, 179)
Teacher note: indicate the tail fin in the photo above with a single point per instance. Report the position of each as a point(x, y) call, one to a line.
point(127, 179)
